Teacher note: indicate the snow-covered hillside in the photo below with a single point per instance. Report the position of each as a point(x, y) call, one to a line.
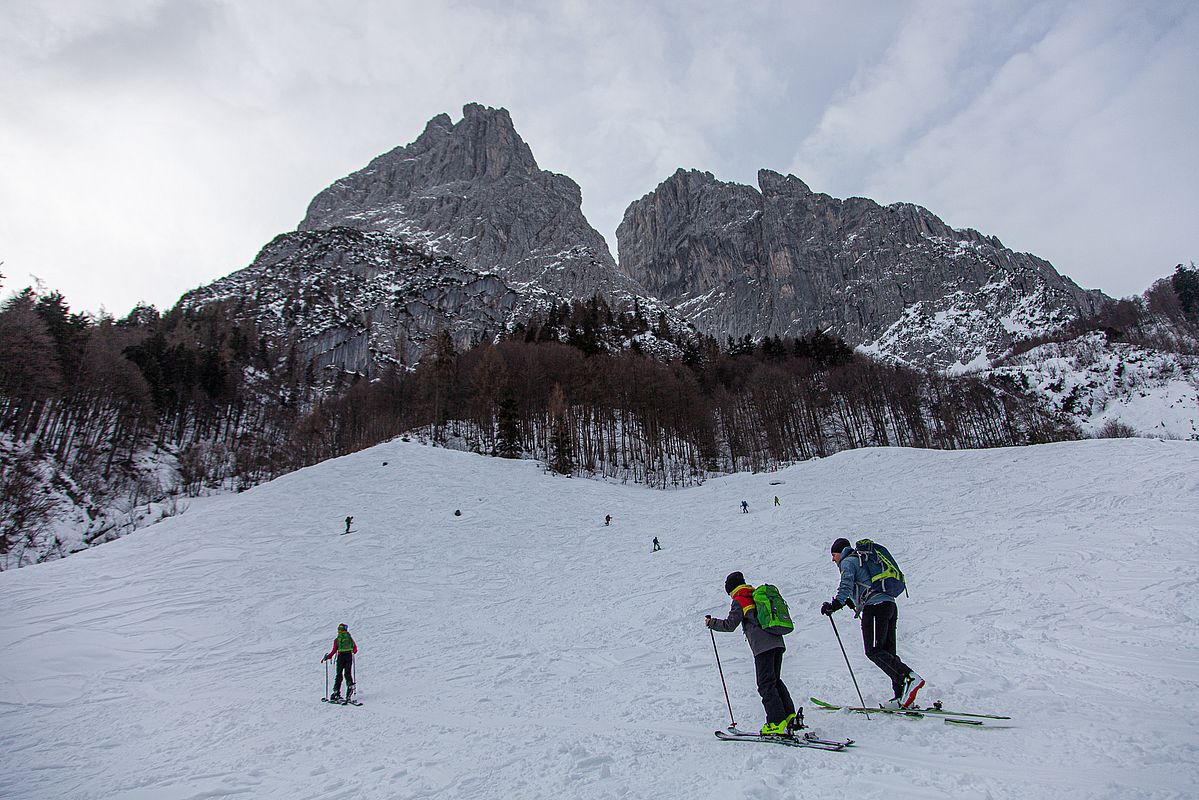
point(1154, 392)
point(524, 650)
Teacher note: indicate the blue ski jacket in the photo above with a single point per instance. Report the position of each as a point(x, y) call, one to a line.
point(855, 582)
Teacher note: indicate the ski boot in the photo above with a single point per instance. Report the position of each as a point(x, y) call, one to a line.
point(913, 684)
point(774, 729)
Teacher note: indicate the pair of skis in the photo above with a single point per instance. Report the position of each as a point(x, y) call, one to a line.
point(345, 701)
point(810, 740)
point(806, 739)
point(935, 711)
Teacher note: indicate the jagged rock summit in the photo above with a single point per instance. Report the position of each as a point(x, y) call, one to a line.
point(459, 231)
point(785, 260)
point(473, 191)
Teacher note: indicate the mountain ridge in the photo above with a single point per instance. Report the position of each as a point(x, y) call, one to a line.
point(721, 258)
point(851, 267)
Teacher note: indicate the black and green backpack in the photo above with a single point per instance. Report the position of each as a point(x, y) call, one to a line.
point(771, 608)
point(885, 575)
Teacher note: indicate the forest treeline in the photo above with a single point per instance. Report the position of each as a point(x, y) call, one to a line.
point(86, 403)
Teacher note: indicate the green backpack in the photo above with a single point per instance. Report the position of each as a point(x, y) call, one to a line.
point(773, 616)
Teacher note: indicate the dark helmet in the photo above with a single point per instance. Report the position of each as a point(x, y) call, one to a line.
point(840, 545)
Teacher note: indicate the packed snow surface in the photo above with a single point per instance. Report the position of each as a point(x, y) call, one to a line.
point(525, 650)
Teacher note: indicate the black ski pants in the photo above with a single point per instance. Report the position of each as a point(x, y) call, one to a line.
point(345, 666)
point(878, 635)
point(775, 697)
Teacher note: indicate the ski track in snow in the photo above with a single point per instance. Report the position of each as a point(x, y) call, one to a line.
point(524, 650)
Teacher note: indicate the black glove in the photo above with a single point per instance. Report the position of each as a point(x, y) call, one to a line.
point(828, 608)
point(849, 604)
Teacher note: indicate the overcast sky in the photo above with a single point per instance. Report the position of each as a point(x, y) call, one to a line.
point(150, 146)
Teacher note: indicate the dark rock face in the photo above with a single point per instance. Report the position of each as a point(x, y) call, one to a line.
point(473, 191)
point(785, 260)
point(359, 301)
point(459, 231)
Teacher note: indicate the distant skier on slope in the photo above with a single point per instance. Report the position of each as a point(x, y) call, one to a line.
point(744, 506)
point(657, 546)
point(344, 648)
point(768, 649)
point(776, 500)
point(349, 521)
point(879, 614)
point(607, 520)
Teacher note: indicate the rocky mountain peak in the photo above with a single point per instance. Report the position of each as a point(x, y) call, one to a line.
point(786, 260)
point(458, 231)
point(772, 183)
point(472, 190)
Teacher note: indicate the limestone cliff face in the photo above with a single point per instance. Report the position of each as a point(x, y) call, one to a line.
point(473, 191)
point(784, 260)
point(459, 231)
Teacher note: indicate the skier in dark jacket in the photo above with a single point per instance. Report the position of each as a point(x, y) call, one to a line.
point(879, 614)
point(768, 649)
point(344, 648)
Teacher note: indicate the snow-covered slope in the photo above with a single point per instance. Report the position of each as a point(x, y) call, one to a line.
point(524, 650)
point(1154, 392)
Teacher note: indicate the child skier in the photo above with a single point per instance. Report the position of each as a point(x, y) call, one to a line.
point(879, 614)
point(768, 649)
point(344, 648)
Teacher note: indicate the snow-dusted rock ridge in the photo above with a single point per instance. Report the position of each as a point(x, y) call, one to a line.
point(472, 190)
point(523, 649)
point(724, 258)
point(355, 300)
point(459, 231)
point(784, 260)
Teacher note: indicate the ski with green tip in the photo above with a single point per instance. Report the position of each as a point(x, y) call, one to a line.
point(935, 710)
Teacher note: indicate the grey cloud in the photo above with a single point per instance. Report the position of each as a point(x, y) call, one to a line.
point(153, 146)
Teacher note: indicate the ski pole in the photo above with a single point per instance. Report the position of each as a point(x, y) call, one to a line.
point(732, 722)
point(851, 675)
point(326, 679)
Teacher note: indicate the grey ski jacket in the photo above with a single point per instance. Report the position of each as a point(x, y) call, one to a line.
point(759, 640)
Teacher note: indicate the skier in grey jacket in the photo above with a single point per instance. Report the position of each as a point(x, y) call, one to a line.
point(879, 614)
point(768, 649)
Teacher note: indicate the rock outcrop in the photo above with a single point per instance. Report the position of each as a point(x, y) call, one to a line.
point(459, 231)
point(785, 260)
point(473, 191)
point(360, 300)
